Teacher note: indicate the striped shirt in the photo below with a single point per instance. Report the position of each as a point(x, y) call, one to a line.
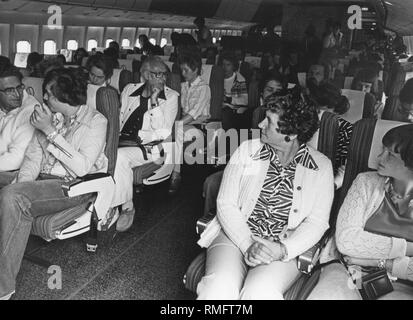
point(270, 215)
point(345, 130)
point(196, 99)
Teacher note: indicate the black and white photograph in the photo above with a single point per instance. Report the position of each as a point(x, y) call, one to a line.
point(193, 153)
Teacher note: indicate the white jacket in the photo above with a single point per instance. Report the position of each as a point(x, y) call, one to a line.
point(241, 186)
point(157, 122)
point(15, 134)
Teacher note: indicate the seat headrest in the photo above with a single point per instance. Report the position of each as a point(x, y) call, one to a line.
point(114, 80)
point(134, 57)
point(314, 140)
point(254, 62)
point(169, 64)
point(125, 64)
point(347, 82)
point(91, 95)
point(206, 72)
point(382, 126)
point(20, 60)
point(409, 75)
point(84, 61)
point(164, 58)
point(302, 79)
point(356, 100)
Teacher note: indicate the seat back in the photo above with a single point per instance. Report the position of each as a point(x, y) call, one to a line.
point(325, 139)
point(365, 146)
point(347, 82)
point(302, 79)
point(34, 87)
point(356, 100)
point(120, 79)
point(20, 60)
point(214, 75)
point(78, 217)
point(134, 57)
point(125, 64)
point(108, 104)
point(164, 58)
point(254, 62)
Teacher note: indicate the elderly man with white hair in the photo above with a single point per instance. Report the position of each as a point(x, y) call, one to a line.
point(148, 112)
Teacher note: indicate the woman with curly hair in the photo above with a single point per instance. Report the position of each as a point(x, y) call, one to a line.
point(273, 205)
point(69, 142)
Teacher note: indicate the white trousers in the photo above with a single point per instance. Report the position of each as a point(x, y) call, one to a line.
point(186, 133)
point(227, 277)
point(128, 158)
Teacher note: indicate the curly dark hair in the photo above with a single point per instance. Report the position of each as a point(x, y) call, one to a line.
point(327, 94)
point(10, 71)
point(102, 62)
point(401, 140)
point(192, 60)
point(231, 57)
point(297, 115)
point(68, 85)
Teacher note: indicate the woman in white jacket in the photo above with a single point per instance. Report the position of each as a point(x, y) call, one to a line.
point(273, 205)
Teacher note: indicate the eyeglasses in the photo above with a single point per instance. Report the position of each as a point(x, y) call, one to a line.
point(160, 74)
point(92, 75)
point(10, 91)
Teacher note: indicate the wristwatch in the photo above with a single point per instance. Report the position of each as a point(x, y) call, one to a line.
point(382, 264)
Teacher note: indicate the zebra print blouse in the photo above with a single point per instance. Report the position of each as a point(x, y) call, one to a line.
point(270, 215)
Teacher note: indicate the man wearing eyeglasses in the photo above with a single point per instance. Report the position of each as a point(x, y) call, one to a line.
point(148, 112)
point(16, 106)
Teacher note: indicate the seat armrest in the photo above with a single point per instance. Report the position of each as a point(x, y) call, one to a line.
point(203, 222)
point(69, 187)
point(309, 259)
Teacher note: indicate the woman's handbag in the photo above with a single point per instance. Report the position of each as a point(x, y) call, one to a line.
point(388, 222)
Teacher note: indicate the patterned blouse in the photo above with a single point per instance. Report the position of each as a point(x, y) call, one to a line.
point(270, 215)
point(345, 130)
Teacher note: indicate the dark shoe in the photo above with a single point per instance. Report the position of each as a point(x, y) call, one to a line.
point(174, 183)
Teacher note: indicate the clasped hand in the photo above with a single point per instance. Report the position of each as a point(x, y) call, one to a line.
point(262, 251)
point(41, 119)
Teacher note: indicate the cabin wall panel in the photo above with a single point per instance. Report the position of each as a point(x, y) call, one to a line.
point(97, 34)
point(4, 39)
point(51, 34)
point(26, 32)
point(112, 33)
point(74, 33)
point(128, 33)
point(316, 15)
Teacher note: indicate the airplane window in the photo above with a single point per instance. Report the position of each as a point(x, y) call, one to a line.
point(125, 43)
point(72, 45)
point(107, 42)
point(214, 40)
point(137, 44)
point(23, 47)
point(153, 41)
point(92, 43)
point(163, 42)
point(49, 47)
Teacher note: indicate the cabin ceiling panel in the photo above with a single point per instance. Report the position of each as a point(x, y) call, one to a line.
point(400, 16)
point(238, 9)
point(12, 5)
point(205, 8)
